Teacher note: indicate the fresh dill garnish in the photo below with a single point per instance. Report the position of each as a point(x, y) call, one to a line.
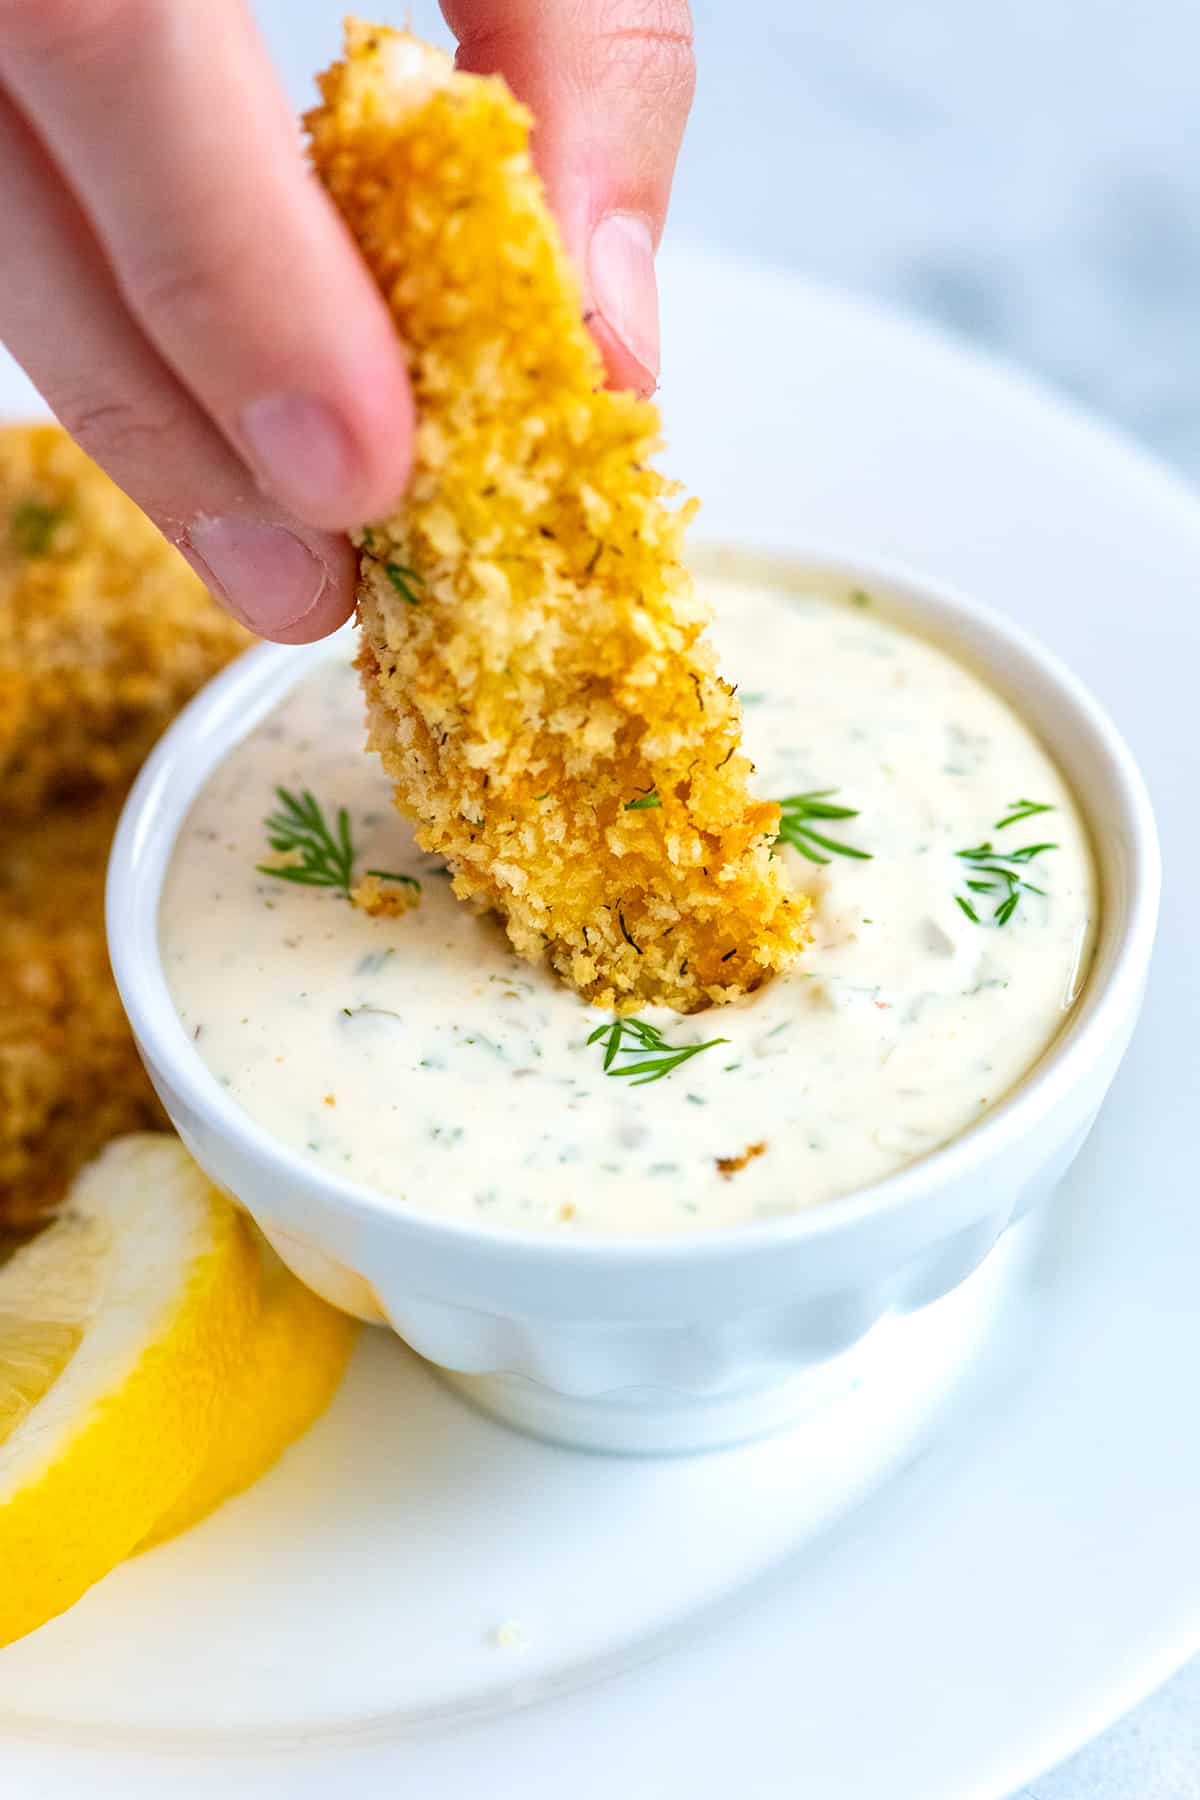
point(652, 1056)
point(1001, 873)
point(794, 828)
point(1022, 809)
point(389, 875)
point(326, 853)
point(31, 526)
point(402, 579)
point(299, 828)
point(644, 803)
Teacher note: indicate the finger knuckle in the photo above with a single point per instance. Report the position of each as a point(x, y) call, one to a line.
point(123, 433)
point(651, 40)
point(169, 279)
point(170, 285)
point(65, 28)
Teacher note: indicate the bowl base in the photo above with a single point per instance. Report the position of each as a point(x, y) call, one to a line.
point(918, 1353)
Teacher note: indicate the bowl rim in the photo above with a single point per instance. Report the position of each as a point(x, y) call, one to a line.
point(240, 695)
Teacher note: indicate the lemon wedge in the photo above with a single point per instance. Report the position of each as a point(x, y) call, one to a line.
point(121, 1329)
point(297, 1354)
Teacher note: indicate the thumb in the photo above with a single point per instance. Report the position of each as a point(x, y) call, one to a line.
point(609, 83)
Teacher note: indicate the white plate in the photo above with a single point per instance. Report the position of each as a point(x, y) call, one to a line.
point(936, 1596)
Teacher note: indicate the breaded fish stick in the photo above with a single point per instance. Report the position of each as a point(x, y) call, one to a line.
point(104, 630)
point(70, 1074)
point(537, 683)
point(104, 633)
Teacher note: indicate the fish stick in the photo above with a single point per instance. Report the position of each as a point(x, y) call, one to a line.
point(538, 683)
point(70, 1074)
point(104, 630)
point(104, 633)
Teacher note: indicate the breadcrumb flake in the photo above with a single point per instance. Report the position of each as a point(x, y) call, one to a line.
point(538, 684)
point(380, 898)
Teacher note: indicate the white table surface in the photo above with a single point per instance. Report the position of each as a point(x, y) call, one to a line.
point(1025, 175)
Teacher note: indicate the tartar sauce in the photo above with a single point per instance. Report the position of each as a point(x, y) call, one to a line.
point(417, 1056)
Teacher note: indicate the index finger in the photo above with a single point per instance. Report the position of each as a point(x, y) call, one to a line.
point(166, 120)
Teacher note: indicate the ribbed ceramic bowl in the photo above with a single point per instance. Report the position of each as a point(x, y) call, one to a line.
point(666, 1343)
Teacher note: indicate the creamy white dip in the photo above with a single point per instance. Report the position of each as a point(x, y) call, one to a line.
point(417, 1056)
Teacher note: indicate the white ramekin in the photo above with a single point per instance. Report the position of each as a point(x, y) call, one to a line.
point(665, 1343)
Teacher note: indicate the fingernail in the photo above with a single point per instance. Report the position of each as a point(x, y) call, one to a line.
point(300, 450)
point(266, 576)
point(621, 274)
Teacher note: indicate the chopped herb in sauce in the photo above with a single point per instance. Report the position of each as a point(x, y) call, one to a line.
point(374, 961)
point(795, 828)
point(653, 1056)
point(1001, 873)
point(1022, 809)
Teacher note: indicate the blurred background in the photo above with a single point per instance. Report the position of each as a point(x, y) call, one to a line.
point(1026, 175)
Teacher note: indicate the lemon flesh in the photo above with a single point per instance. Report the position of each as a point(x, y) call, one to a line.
point(121, 1329)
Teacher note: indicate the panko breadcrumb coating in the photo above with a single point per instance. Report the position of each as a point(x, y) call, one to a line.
point(104, 633)
point(537, 683)
point(70, 1076)
point(384, 898)
point(104, 630)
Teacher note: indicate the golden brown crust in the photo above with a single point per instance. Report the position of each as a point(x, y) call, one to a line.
point(538, 685)
point(70, 1076)
point(104, 633)
point(384, 899)
point(104, 630)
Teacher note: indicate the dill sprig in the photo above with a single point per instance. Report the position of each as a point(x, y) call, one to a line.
point(644, 803)
point(653, 1056)
point(1001, 873)
point(403, 579)
point(794, 828)
point(326, 853)
point(1023, 809)
point(299, 828)
point(390, 875)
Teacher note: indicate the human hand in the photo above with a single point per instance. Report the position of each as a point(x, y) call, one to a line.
point(185, 297)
